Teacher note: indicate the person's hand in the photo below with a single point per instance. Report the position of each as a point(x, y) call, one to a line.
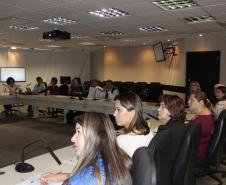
point(48, 178)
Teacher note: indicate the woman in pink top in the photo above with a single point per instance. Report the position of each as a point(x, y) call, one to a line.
point(199, 104)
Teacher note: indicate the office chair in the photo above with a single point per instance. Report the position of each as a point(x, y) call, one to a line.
point(215, 151)
point(144, 171)
point(183, 169)
point(159, 148)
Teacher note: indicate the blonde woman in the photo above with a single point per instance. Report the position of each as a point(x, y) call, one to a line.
point(100, 160)
point(194, 87)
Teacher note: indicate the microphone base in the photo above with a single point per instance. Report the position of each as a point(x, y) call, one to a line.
point(24, 167)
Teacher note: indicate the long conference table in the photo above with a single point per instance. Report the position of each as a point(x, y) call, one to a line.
point(67, 103)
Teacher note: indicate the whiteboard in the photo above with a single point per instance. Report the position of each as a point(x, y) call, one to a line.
point(18, 73)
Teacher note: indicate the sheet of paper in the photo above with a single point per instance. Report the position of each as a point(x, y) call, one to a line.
point(71, 161)
point(34, 181)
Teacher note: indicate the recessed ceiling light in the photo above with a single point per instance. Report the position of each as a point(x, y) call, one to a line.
point(112, 33)
point(87, 43)
point(199, 19)
point(153, 29)
point(13, 47)
point(79, 36)
point(40, 49)
point(23, 27)
point(129, 40)
point(109, 13)
point(200, 35)
point(45, 40)
point(168, 40)
point(174, 4)
point(60, 21)
point(53, 46)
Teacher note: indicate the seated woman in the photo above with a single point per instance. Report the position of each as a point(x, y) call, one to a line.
point(194, 87)
point(53, 87)
point(129, 114)
point(76, 88)
point(39, 88)
point(100, 160)
point(10, 89)
point(220, 94)
point(172, 114)
point(205, 116)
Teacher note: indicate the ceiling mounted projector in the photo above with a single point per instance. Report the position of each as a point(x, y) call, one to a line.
point(56, 35)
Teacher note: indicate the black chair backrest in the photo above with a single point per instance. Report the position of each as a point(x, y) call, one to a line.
point(159, 148)
point(216, 144)
point(63, 90)
point(144, 171)
point(155, 90)
point(183, 169)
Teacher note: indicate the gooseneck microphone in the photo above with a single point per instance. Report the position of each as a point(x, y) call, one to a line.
point(152, 116)
point(23, 167)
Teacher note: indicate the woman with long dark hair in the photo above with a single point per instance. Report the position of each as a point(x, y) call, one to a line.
point(129, 114)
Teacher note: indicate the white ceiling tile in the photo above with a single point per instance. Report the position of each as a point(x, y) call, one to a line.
point(8, 10)
point(209, 2)
point(29, 4)
point(216, 9)
point(197, 11)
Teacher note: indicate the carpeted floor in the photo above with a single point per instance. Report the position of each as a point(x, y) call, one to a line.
point(16, 132)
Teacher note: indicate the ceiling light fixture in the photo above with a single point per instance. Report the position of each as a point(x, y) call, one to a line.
point(79, 36)
point(13, 48)
point(112, 33)
point(200, 35)
point(153, 29)
point(87, 43)
point(53, 46)
point(129, 40)
point(174, 4)
point(23, 27)
point(60, 21)
point(45, 40)
point(109, 13)
point(199, 19)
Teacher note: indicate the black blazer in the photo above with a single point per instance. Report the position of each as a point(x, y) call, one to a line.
point(176, 131)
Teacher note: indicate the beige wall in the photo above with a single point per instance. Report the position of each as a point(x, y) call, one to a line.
point(137, 64)
point(47, 63)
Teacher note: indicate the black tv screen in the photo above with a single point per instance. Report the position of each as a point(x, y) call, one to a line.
point(65, 80)
point(159, 52)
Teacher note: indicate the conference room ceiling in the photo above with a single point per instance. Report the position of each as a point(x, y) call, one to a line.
point(142, 13)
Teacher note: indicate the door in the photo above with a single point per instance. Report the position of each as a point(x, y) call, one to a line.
point(203, 67)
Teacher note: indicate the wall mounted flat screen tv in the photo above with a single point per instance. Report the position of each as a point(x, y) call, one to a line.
point(18, 73)
point(159, 52)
